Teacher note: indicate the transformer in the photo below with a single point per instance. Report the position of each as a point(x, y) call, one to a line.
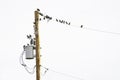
point(29, 52)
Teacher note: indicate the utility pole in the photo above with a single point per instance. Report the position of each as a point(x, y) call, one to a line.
point(37, 42)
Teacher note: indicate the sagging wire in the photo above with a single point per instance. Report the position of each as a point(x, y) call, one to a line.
point(28, 69)
point(96, 30)
point(103, 31)
point(32, 70)
point(61, 73)
point(48, 18)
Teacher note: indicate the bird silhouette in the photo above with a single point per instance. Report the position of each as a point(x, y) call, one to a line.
point(47, 16)
point(60, 21)
point(38, 9)
point(69, 23)
point(81, 26)
point(57, 20)
point(44, 17)
point(41, 14)
point(66, 22)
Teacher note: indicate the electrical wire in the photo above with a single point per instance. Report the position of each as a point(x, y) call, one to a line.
point(81, 26)
point(21, 59)
point(32, 70)
point(61, 73)
point(66, 74)
point(103, 31)
point(97, 30)
point(29, 70)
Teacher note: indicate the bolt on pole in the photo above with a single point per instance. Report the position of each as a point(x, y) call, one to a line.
point(36, 13)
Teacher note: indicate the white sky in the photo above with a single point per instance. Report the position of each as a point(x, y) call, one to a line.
point(87, 54)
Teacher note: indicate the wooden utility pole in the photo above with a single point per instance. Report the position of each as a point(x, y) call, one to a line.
point(37, 44)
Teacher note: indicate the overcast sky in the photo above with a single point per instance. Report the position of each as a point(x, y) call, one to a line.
point(84, 53)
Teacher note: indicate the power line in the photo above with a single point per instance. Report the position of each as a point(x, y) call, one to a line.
point(32, 70)
point(64, 74)
point(97, 30)
point(103, 31)
point(48, 18)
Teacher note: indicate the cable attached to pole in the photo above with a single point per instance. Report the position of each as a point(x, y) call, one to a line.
point(28, 69)
point(61, 73)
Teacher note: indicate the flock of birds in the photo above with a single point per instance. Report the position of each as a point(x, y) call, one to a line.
point(48, 18)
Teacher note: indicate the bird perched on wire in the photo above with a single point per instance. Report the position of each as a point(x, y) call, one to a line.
point(38, 9)
point(81, 26)
point(57, 20)
point(41, 14)
point(48, 17)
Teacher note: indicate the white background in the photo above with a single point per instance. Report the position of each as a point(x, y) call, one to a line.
point(89, 55)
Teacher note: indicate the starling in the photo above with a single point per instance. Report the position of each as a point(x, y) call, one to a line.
point(57, 20)
point(47, 16)
point(44, 18)
point(69, 23)
point(81, 26)
point(41, 14)
point(66, 22)
point(38, 9)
